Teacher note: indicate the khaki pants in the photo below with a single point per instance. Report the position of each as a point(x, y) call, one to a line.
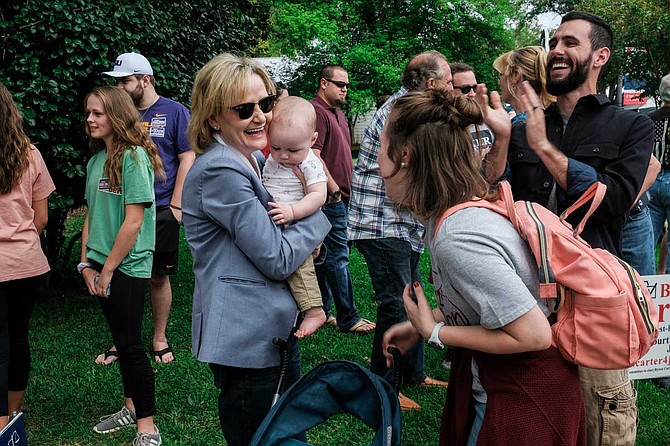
point(610, 404)
point(305, 287)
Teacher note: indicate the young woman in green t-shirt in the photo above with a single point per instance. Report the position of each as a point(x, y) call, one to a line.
point(118, 243)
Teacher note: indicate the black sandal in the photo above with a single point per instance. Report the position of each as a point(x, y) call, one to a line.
point(158, 354)
point(109, 354)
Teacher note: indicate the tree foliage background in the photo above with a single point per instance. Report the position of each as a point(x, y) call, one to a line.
point(642, 25)
point(639, 24)
point(374, 39)
point(52, 54)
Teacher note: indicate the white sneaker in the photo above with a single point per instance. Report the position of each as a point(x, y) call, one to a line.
point(110, 423)
point(145, 439)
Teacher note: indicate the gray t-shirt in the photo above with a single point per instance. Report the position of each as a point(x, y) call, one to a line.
point(483, 272)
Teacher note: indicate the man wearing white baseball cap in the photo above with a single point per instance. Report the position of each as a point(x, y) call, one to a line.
point(129, 64)
point(166, 120)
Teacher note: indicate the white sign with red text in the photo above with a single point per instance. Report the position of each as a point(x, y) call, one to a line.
point(656, 363)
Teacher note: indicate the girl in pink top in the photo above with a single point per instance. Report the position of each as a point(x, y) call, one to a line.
point(25, 185)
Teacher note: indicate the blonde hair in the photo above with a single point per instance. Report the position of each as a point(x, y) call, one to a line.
point(222, 83)
point(14, 144)
point(127, 133)
point(530, 62)
point(296, 113)
point(431, 129)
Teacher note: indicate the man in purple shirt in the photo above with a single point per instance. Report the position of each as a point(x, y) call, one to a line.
point(333, 147)
point(166, 121)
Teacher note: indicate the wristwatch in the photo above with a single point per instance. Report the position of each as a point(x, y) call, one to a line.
point(335, 195)
point(434, 340)
point(82, 266)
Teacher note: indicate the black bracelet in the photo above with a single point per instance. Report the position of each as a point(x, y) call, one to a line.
point(175, 207)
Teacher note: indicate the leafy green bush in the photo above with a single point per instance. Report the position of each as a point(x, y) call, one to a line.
point(52, 54)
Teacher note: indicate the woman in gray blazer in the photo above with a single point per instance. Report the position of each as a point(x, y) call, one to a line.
point(240, 257)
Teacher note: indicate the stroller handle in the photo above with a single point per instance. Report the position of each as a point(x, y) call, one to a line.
point(283, 365)
point(397, 366)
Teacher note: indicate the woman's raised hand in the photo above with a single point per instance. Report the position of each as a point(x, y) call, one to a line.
point(494, 114)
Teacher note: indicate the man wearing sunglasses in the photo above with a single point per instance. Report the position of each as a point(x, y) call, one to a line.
point(333, 147)
point(465, 83)
point(166, 122)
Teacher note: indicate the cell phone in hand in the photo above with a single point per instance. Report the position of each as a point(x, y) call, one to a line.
point(412, 294)
point(109, 286)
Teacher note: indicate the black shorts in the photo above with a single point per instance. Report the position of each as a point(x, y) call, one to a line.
point(166, 254)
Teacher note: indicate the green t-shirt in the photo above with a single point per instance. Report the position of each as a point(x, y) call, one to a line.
point(106, 210)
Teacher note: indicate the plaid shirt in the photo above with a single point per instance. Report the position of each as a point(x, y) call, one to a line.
point(661, 119)
point(371, 214)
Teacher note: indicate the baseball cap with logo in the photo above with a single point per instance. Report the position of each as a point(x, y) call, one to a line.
point(128, 64)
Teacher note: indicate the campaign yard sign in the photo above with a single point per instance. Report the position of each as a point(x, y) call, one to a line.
point(14, 434)
point(656, 363)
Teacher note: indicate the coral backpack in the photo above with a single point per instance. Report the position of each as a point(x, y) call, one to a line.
point(605, 318)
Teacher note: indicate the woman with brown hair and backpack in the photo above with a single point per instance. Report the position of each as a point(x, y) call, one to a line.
point(25, 186)
point(508, 386)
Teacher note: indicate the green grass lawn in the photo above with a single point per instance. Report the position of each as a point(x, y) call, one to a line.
point(68, 392)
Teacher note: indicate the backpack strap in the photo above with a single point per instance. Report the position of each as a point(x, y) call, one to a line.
point(596, 193)
point(507, 198)
point(503, 206)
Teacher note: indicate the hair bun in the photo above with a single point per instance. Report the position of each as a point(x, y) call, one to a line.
point(458, 110)
point(468, 110)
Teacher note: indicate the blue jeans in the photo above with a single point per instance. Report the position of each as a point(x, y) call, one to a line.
point(480, 410)
point(392, 264)
point(637, 242)
point(333, 274)
point(659, 207)
point(245, 396)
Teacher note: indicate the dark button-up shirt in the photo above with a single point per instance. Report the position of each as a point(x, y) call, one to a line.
point(603, 143)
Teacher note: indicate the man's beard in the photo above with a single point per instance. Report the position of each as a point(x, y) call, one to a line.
point(137, 94)
point(572, 81)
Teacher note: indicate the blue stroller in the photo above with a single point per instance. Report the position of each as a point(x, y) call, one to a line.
point(332, 388)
